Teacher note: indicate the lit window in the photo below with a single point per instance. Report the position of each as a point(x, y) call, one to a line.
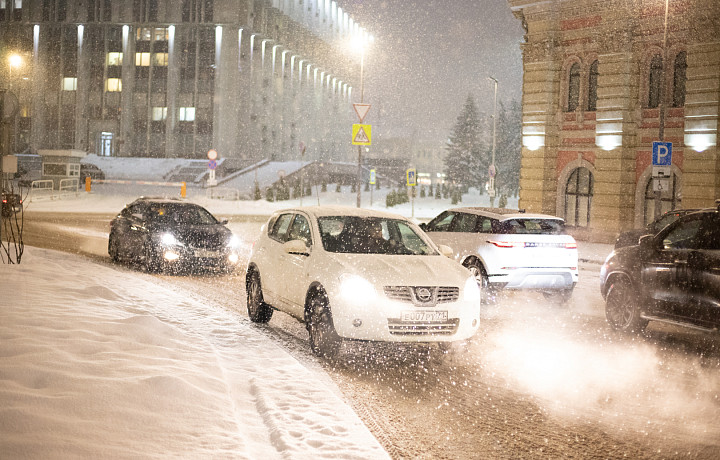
point(161, 34)
point(159, 113)
point(144, 34)
point(186, 114)
point(160, 59)
point(69, 84)
point(113, 85)
point(114, 58)
point(142, 59)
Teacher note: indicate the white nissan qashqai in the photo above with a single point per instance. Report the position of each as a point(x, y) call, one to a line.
point(358, 274)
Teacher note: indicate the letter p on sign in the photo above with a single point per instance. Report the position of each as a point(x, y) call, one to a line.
point(662, 154)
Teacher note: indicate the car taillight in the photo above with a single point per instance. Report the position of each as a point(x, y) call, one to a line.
point(508, 244)
point(570, 245)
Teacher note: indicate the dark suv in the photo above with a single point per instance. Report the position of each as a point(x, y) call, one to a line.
point(671, 277)
point(631, 237)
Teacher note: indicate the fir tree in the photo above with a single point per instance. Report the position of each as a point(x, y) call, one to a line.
point(464, 159)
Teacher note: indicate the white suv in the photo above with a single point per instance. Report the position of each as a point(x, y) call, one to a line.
point(358, 274)
point(509, 249)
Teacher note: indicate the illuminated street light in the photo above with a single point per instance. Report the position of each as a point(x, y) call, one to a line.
point(492, 163)
point(360, 42)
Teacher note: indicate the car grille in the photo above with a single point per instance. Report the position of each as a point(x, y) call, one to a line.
point(418, 294)
point(201, 240)
point(397, 327)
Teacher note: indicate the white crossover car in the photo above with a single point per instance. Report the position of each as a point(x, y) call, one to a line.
point(357, 274)
point(510, 249)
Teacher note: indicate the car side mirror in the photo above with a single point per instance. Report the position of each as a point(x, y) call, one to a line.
point(446, 251)
point(423, 227)
point(647, 242)
point(296, 247)
point(224, 221)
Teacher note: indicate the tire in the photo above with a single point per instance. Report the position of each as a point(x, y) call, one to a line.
point(113, 248)
point(258, 310)
point(488, 295)
point(560, 297)
point(324, 340)
point(622, 308)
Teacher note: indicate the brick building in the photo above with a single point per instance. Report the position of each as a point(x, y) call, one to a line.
point(164, 78)
point(602, 79)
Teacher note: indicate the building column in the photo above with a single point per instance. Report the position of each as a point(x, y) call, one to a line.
point(701, 162)
point(538, 173)
point(613, 204)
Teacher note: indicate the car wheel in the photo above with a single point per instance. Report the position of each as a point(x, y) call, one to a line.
point(324, 340)
point(561, 297)
point(622, 308)
point(488, 295)
point(113, 250)
point(258, 310)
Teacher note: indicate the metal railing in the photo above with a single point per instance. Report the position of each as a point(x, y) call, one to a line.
point(223, 193)
point(41, 189)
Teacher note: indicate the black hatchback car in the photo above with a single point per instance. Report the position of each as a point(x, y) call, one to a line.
point(171, 234)
point(671, 277)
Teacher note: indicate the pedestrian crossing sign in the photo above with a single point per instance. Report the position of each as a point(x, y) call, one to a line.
point(361, 134)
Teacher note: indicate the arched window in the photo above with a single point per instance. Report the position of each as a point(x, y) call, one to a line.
point(592, 87)
point(679, 79)
point(573, 88)
point(578, 197)
point(669, 198)
point(655, 81)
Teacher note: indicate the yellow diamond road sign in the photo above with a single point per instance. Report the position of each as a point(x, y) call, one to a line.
point(361, 134)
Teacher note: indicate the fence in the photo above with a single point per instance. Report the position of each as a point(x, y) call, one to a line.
point(223, 193)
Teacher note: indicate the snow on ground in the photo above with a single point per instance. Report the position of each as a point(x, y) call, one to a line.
point(100, 362)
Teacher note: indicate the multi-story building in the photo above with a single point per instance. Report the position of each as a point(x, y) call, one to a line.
point(251, 79)
point(603, 80)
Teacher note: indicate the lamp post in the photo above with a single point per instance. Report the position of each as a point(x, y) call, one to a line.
point(358, 179)
point(492, 169)
point(661, 131)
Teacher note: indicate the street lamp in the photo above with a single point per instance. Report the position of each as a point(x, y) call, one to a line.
point(661, 131)
point(360, 43)
point(492, 169)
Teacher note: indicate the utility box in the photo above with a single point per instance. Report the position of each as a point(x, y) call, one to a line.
point(61, 164)
point(9, 164)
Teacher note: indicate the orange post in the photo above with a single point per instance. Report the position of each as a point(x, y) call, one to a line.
point(87, 183)
point(183, 190)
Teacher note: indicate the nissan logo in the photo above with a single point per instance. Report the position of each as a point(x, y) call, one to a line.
point(423, 294)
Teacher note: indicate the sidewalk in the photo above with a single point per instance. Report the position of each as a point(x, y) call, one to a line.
point(595, 253)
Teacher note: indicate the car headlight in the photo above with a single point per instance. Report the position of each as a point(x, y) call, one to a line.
point(356, 288)
point(169, 239)
point(471, 291)
point(233, 242)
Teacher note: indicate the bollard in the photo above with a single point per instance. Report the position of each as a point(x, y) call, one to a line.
point(183, 190)
point(87, 183)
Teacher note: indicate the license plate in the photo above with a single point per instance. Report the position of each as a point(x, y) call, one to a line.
point(425, 316)
point(206, 253)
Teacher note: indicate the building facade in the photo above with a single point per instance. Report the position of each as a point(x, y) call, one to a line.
point(251, 79)
point(603, 80)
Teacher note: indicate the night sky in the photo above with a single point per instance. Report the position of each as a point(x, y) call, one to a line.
point(429, 55)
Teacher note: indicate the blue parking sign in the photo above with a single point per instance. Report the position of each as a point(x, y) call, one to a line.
point(662, 154)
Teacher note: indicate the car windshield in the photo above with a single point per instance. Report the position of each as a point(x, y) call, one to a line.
point(532, 226)
point(371, 235)
point(182, 214)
